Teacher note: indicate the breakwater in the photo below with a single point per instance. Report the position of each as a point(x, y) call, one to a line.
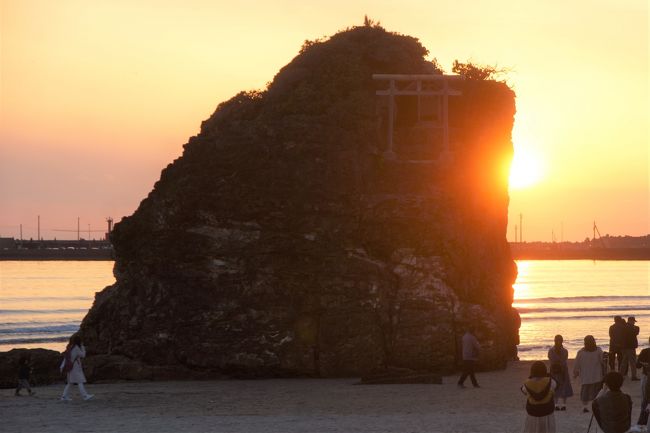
point(57, 250)
point(542, 251)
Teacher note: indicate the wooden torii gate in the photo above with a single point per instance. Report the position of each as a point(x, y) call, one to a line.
point(412, 85)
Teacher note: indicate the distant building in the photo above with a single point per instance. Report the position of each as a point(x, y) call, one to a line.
point(7, 243)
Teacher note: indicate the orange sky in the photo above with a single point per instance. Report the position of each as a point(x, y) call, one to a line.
point(97, 97)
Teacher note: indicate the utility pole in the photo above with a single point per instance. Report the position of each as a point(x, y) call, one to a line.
point(516, 238)
point(109, 220)
point(78, 237)
point(521, 228)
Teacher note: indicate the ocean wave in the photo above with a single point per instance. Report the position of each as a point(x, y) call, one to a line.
point(532, 348)
point(541, 352)
point(524, 310)
point(553, 299)
point(46, 298)
point(32, 323)
point(36, 339)
point(40, 329)
point(75, 310)
point(528, 318)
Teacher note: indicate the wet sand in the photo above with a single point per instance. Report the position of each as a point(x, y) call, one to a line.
point(290, 405)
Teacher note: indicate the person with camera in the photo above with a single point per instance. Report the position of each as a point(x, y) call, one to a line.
point(613, 408)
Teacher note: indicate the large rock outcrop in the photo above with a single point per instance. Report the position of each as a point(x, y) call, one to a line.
point(44, 367)
point(282, 242)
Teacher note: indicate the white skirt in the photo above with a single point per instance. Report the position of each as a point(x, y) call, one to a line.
point(540, 424)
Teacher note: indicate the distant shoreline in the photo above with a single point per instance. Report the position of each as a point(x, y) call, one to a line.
point(34, 255)
point(518, 251)
point(602, 248)
point(81, 249)
point(552, 252)
point(11, 249)
point(47, 254)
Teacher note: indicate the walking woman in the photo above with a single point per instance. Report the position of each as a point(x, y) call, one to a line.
point(72, 365)
point(590, 368)
point(558, 356)
point(539, 405)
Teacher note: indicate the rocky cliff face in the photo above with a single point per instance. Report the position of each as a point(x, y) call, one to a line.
point(283, 243)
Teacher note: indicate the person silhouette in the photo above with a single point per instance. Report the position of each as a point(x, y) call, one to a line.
point(470, 353)
point(558, 356)
point(539, 388)
point(613, 408)
point(73, 354)
point(23, 376)
point(629, 348)
point(643, 362)
point(589, 367)
point(617, 336)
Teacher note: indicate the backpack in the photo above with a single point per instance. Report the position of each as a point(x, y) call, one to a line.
point(68, 363)
point(534, 407)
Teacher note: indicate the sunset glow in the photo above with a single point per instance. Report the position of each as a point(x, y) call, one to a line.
point(526, 170)
point(98, 97)
point(522, 286)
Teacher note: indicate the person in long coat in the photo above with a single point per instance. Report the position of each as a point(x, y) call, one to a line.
point(558, 356)
point(590, 368)
point(74, 353)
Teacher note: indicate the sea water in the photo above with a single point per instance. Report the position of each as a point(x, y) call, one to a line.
point(43, 302)
point(575, 298)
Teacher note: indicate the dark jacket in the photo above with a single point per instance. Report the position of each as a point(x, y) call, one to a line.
point(618, 336)
point(632, 332)
point(644, 358)
point(23, 371)
point(613, 412)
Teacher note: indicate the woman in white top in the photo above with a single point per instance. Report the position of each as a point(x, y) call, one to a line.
point(589, 366)
point(72, 355)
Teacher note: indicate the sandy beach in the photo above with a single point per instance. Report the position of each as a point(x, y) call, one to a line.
point(290, 405)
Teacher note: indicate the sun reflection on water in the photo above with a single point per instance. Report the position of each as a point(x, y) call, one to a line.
point(522, 285)
point(575, 298)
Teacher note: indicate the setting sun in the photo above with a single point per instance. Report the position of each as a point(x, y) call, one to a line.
point(526, 169)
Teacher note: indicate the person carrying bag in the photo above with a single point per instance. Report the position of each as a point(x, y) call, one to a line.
point(540, 404)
